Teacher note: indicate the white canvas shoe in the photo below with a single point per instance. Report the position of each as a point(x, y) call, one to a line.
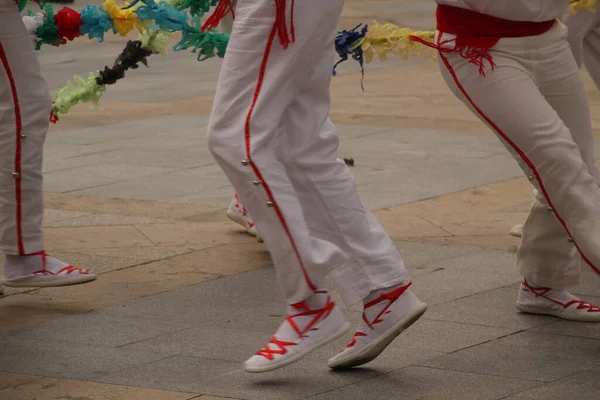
point(384, 318)
point(516, 231)
point(42, 270)
point(237, 213)
point(559, 303)
point(303, 331)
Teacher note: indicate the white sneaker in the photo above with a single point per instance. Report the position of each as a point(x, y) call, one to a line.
point(516, 231)
point(303, 331)
point(51, 272)
point(384, 318)
point(559, 303)
point(237, 213)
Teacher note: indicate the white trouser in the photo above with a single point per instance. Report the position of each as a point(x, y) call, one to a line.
point(24, 117)
point(269, 130)
point(584, 37)
point(536, 102)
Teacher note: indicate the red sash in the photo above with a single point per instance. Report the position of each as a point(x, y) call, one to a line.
point(477, 33)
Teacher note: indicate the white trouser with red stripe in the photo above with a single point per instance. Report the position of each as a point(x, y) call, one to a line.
point(24, 117)
point(537, 104)
point(270, 132)
point(584, 37)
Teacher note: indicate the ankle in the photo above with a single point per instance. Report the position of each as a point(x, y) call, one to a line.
point(316, 301)
point(532, 284)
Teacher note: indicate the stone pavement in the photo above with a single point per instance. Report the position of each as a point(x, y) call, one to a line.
point(184, 297)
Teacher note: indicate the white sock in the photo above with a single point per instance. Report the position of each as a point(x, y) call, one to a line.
point(18, 266)
point(315, 302)
point(376, 293)
point(560, 295)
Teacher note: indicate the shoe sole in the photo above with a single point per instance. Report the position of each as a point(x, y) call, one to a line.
point(240, 221)
point(516, 231)
point(345, 328)
point(374, 349)
point(556, 313)
point(37, 282)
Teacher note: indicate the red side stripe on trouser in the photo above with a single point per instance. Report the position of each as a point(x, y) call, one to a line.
point(257, 172)
point(520, 152)
point(18, 132)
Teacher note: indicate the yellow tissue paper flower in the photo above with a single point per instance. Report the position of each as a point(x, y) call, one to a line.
point(576, 5)
point(382, 40)
point(124, 21)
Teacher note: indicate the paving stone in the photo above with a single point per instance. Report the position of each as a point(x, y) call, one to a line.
point(232, 313)
point(125, 285)
point(444, 285)
point(570, 328)
point(292, 382)
point(205, 342)
point(257, 285)
point(181, 373)
point(405, 157)
point(347, 131)
point(96, 329)
point(19, 309)
point(54, 216)
point(514, 361)
point(148, 129)
point(143, 253)
point(447, 337)
point(502, 242)
point(582, 386)
point(62, 389)
point(499, 263)
point(55, 150)
point(420, 258)
point(90, 237)
point(213, 398)
point(414, 383)
point(492, 308)
point(66, 360)
point(55, 164)
point(203, 180)
point(190, 157)
point(515, 398)
point(95, 175)
point(217, 197)
point(556, 344)
point(12, 380)
point(409, 226)
point(204, 234)
point(105, 219)
point(393, 358)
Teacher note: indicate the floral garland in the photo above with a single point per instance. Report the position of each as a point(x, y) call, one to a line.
point(156, 21)
point(363, 43)
point(94, 21)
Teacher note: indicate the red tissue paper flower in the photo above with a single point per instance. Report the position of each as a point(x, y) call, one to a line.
point(68, 22)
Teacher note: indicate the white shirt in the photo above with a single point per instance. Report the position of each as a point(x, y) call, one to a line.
point(515, 10)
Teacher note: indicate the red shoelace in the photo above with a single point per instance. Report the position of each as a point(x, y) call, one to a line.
point(280, 346)
point(391, 297)
point(543, 291)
